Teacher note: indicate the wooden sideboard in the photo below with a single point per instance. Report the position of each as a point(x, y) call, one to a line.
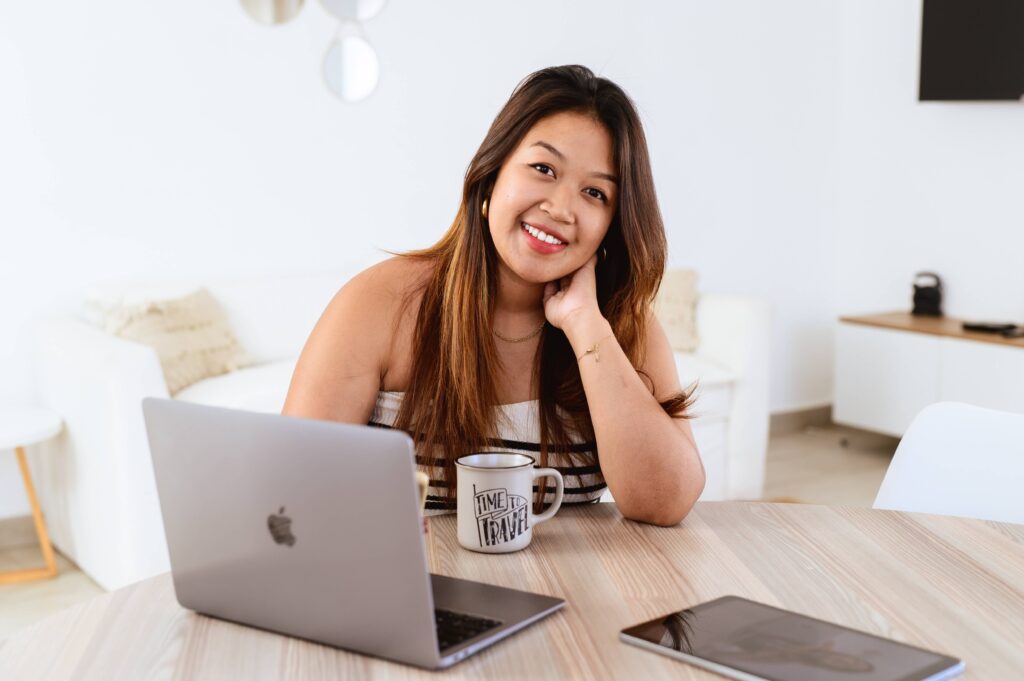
point(890, 366)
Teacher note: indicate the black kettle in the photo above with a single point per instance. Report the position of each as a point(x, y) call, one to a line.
point(927, 294)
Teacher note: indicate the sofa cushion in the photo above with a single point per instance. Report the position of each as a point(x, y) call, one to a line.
point(692, 366)
point(261, 388)
point(714, 385)
point(190, 334)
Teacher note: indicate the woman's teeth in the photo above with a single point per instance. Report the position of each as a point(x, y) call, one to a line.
point(542, 236)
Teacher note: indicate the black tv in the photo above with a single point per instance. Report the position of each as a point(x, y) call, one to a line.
point(972, 50)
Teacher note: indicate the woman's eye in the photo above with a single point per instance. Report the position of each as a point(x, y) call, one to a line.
point(543, 168)
point(597, 194)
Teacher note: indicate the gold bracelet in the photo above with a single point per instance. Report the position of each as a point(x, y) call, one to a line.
point(593, 349)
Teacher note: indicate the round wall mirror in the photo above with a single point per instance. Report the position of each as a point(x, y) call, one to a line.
point(351, 68)
point(353, 10)
point(272, 12)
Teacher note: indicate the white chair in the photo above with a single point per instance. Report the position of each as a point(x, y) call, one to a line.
point(958, 459)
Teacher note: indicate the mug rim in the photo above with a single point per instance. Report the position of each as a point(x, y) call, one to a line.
point(531, 462)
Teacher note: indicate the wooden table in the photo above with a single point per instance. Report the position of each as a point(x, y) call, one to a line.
point(948, 584)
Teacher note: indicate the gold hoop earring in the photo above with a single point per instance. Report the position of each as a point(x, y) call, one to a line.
point(483, 207)
point(604, 254)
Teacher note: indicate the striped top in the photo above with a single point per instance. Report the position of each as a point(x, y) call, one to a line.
point(518, 431)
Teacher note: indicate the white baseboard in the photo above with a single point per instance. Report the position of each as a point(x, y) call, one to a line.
point(794, 421)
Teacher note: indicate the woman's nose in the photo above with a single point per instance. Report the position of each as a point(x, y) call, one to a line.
point(559, 205)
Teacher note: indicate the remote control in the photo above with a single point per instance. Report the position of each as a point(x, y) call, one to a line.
point(988, 327)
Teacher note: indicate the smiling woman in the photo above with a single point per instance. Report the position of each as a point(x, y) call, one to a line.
point(528, 326)
point(529, 175)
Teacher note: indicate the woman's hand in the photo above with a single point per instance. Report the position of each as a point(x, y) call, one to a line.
point(572, 296)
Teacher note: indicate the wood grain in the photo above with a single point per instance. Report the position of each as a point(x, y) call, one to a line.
point(950, 584)
point(933, 326)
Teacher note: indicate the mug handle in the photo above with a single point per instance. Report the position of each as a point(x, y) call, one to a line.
point(559, 490)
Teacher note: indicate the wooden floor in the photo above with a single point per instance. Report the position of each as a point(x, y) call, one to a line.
point(833, 465)
point(23, 604)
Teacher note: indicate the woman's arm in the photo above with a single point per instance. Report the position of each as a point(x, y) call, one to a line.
point(649, 460)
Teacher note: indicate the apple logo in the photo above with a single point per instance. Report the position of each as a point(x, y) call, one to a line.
point(281, 528)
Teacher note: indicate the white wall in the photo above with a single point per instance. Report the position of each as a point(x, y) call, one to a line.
point(923, 185)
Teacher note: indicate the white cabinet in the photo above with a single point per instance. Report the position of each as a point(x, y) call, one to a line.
point(983, 374)
point(889, 367)
point(883, 377)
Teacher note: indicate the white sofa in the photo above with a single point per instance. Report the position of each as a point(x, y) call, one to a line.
point(95, 481)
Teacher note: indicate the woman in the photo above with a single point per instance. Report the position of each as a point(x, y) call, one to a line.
point(528, 326)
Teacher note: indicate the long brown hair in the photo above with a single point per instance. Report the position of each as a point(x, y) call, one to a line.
point(451, 398)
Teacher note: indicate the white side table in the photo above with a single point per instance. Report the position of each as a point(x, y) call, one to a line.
point(18, 429)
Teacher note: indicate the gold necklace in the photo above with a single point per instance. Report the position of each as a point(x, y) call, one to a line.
point(521, 338)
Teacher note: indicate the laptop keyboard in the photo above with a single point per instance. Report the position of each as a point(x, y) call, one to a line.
point(455, 627)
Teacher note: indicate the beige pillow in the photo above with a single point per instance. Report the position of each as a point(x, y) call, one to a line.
point(190, 335)
point(676, 308)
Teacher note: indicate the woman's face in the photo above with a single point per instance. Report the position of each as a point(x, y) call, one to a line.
point(554, 198)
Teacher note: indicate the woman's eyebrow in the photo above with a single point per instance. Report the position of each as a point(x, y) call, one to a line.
point(561, 157)
point(556, 152)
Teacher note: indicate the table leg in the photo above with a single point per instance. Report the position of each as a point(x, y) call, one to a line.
point(44, 538)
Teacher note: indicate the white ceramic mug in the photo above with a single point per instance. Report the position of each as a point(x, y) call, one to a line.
point(495, 491)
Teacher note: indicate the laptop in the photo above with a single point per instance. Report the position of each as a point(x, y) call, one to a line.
point(313, 529)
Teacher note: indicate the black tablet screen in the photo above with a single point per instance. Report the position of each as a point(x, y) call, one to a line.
point(778, 644)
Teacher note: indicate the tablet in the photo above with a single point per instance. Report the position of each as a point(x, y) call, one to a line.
point(741, 639)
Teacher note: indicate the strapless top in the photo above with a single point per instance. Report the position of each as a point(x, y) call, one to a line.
point(518, 430)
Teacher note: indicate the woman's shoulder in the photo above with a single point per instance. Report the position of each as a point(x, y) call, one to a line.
point(350, 350)
point(383, 287)
point(393, 278)
point(383, 302)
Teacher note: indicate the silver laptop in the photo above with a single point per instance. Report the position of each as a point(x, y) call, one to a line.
point(312, 529)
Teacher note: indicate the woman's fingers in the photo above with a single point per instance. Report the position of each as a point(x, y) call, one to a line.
point(550, 289)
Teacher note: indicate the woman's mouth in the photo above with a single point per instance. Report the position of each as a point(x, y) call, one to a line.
point(541, 241)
